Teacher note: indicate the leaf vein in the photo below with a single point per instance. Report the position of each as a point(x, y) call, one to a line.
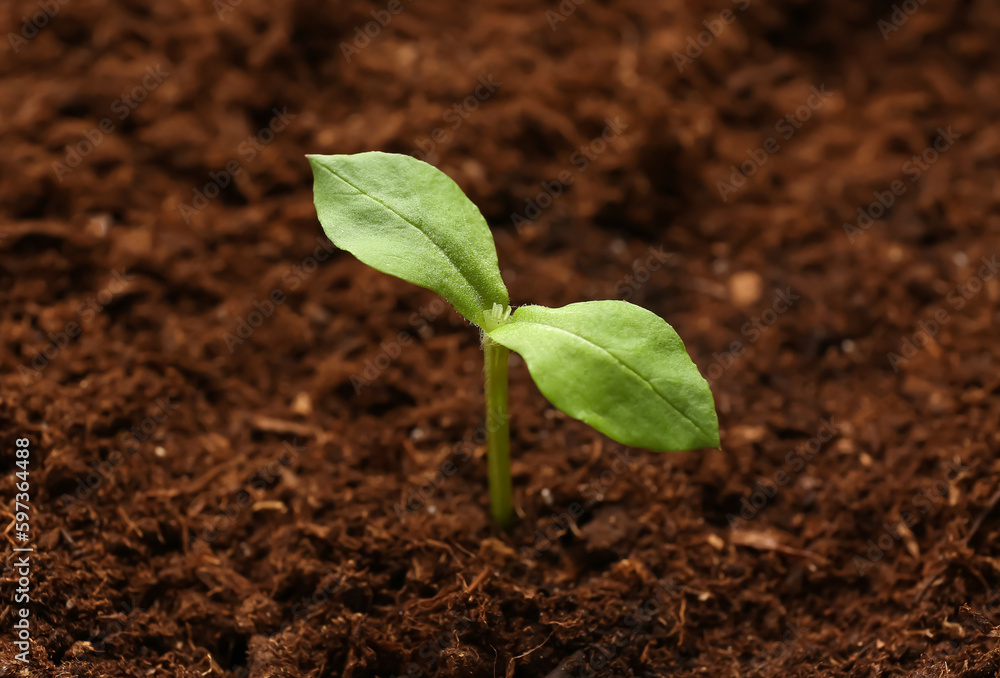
point(627, 367)
point(475, 292)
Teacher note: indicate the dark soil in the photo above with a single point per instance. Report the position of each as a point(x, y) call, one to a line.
point(307, 497)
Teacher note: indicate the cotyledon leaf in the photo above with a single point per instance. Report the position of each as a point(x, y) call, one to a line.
point(618, 367)
point(408, 219)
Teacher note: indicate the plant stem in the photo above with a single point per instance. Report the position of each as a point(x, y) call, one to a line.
point(498, 432)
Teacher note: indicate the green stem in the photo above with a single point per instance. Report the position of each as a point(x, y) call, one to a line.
point(498, 432)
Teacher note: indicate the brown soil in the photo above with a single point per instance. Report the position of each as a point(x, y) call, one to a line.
point(267, 519)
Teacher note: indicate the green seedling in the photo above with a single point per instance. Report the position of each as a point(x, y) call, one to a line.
point(611, 364)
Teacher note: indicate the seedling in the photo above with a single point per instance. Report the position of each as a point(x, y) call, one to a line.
point(611, 364)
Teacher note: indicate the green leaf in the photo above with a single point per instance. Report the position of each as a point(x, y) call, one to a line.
point(408, 219)
point(617, 367)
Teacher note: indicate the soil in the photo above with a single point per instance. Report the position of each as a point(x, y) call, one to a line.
point(223, 485)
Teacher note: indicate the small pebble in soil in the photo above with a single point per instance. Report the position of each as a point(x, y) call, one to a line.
point(961, 259)
point(547, 496)
point(618, 246)
point(302, 404)
point(745, 288)
point(99, 225)
point(748, 434)
point(847, 346)
point(160, 451)
point(417, 434)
